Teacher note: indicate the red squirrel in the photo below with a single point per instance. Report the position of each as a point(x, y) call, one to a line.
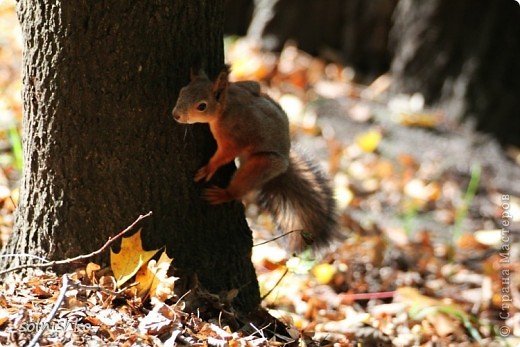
point(249, 125)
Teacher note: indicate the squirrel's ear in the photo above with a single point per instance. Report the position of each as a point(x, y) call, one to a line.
point(220, 85)
point(197, 73)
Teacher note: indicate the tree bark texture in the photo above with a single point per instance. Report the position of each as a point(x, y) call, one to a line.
point(101, 146)
point(463, 55)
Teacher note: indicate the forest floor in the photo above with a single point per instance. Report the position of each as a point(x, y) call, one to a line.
point(430, 208)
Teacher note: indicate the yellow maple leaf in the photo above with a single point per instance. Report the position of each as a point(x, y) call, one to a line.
point(153, 280)
point(130, 258)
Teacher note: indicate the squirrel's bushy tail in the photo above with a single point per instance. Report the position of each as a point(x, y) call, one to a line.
point(302, 204)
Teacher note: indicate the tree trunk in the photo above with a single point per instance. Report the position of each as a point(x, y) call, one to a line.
point(356, 30)
point(101, 146)
point(364, 38)
point(464, 56)
point(302, 21)
point(238, 14)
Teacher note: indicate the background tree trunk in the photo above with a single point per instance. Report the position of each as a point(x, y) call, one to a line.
point(354, 32)
point(238, 15)
point(463, 55)
point(365, 35)
point(100, 144)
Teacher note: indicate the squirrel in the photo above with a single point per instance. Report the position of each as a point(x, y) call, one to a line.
point(248, 124)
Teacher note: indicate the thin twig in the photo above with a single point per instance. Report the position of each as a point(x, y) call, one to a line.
point(277, 237)
point(276, 284)
point(98, 288)
point(79, 257)
point(52, 314)
point(19, 255)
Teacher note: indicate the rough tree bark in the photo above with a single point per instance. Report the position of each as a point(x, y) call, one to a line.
point(463, 55)
point(101, 147)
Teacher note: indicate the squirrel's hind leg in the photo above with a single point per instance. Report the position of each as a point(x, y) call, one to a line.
point(253, 173)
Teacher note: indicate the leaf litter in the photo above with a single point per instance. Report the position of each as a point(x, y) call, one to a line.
point(431, 258)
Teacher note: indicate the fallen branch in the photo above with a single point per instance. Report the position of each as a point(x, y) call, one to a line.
point(79, 257)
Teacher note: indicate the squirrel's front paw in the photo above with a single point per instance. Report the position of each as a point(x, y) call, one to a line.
point(216, 195)
point(201, 173)
point(204, 173)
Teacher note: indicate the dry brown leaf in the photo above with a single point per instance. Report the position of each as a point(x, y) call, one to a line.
point(109, 316)
point(153, 280)
point(41, 292)
point(91, 271)
point(420, 119)
point(4, 316)
point(443, 324)
point(154, 323)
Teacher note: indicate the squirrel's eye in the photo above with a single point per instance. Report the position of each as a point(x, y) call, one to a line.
point(202, 106)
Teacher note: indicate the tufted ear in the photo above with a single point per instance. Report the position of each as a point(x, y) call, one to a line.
point(197, 73)
point(220, 85)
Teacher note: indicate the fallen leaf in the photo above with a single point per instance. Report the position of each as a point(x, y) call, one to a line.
point(324, 273)
point(369, 141)
point(91, 271)
point(331, 89)
point(41, 292)
point(420, 190)
point(360, 113)
point(489, 237)
point(154, 323)
point(293, 106)
point(344, 196)
point(4, 316)
point(470, 242)
point(93, 320)
point(444, 317)
point(153, 280)
point(130, 258)
point(421, 119)
point(109, 317)
point(397, 236)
